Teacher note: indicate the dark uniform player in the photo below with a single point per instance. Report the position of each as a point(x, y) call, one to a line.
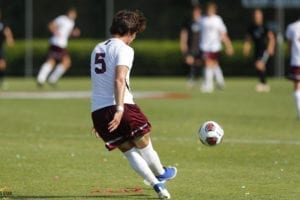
point(264, 45)
point(5, 34)
point(189, 44)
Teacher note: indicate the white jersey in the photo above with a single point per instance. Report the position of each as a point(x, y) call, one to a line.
point(105, 58)
point(211, 28)
point(64, 26)
point(293, 34)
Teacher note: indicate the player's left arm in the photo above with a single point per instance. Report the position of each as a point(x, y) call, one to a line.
point(120, 85)
point(271, 43)
point(228, 44)
point(9, 36)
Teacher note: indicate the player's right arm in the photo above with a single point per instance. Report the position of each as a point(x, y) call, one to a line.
point(120, 85)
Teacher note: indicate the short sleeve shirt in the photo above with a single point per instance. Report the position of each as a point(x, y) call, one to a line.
point(105, 59)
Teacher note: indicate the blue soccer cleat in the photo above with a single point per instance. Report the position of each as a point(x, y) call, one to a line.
point(170, 173)
point(162, 191)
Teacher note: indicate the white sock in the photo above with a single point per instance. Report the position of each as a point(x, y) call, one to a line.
point(208, 83)
point(219, 76)
point(140, 166)
point(297, 98)
point(58, 72)
point(152, 159)
point(45, 70)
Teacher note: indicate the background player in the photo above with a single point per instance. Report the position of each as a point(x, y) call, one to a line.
point(189, 44)
point(293, 36)
point(116, 118)
point(5, 34)
point(264, 47)
point(62, 27)
point(213, 32)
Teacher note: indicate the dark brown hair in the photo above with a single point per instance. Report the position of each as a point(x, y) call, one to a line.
point(126, 21)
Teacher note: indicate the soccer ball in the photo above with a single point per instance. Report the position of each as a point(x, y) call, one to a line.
point(211, 133)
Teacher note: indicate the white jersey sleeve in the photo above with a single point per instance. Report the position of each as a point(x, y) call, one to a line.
point(64, 26)
point(105, 59)
point(293, 35)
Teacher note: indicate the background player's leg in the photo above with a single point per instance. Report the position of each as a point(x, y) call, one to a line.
point(45, 70)
point(219, 76)
point(2, 70)
point(297, 97)
point(60, 69)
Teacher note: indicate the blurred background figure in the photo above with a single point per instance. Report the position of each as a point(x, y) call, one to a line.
point(264, 47)
point(62, 27)
point(212, 33)
point(5, 35)
point(189, 44)
point(293, 36)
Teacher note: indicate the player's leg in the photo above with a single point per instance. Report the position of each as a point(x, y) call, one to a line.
point(189, 60)
point(218, 73)
point(297, 96)
point(60, 69)
point(140, 166)
point(45, 70)
point(145, 148)
point(260, 66)
point(2, 71)
point(208, 85)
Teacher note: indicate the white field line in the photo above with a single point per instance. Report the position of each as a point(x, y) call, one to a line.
point(69, 95)
point(238, 141)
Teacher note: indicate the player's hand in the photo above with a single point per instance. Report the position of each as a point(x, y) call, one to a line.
point(76, 32)
point(113, 125)
point(189, 60)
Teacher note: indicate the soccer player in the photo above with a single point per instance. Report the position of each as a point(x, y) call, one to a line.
point(264, 47)
point(293, 36)
point(212, 33)
point(5, 35)
point(62, 27)
point(116, 118)
point(189, 44)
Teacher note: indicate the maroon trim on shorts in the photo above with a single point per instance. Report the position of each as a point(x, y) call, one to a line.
point(134, 124)
point(57, 53)
point(294, 73)
point(210, 55)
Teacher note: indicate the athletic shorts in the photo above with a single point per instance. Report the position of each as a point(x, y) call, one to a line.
point(134, 124)
point(210, 55)
point(263, 56)
point(294, 73)
point(57, 53)
point(195, 54)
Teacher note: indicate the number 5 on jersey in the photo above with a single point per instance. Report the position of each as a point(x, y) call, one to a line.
point(100, 63)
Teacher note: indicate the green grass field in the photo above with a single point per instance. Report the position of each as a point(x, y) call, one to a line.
point(47, 152)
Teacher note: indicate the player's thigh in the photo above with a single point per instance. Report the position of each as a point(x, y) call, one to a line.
point(209, 62)
point(141, 142)
point(66, 60)
point(297, 84)
point(126, 146)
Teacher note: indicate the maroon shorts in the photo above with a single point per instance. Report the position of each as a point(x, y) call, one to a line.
point(210, 55)
point(57, 53)
point(294, 73)
point(134, 124)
